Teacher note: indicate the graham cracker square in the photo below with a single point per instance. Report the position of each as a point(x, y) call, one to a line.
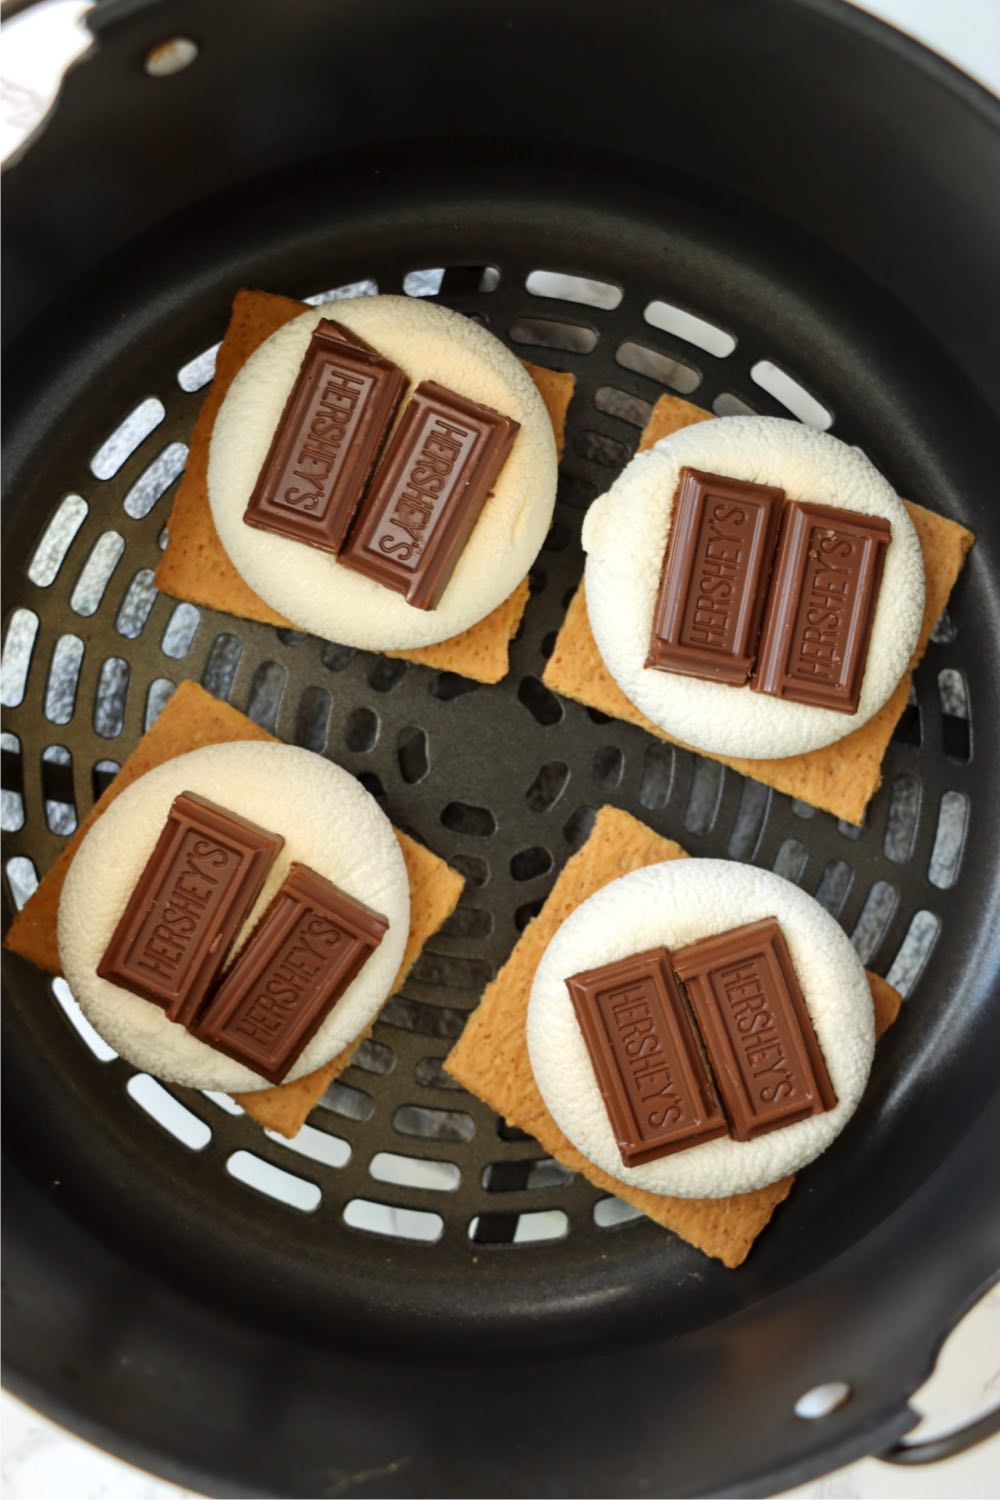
point(491, 1057)
point(841, 778)
point(192, 718)
point(196, 567)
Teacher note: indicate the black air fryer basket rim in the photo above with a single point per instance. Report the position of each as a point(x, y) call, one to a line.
point(137, 1314)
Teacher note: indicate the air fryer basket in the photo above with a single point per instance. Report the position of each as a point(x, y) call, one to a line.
point(817, 188)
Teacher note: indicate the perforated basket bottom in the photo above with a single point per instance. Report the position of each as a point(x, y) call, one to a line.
point(504, 782)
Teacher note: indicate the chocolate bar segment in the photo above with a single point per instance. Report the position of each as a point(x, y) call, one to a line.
point(194, 894)
point(324, 448)
point(428, 493)
point(761, 1044)
point(646, 1057)
point(715, 570)
point(821, 606)
point(310, 944)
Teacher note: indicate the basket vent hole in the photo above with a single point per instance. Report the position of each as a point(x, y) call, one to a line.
point(102, 775)
point(426, 283)
point(945, 631)
point(728, 405)
point(18, 645)
point(397, 1223)
point(445, 686)
point(468, 922)
point(451, 279)
point(474, 870)
point(573, 289)
point(154, 481)
point(463, 817)
point(434, 1124)
point(598, 448)
point(543, 705)
point(659, 367)
point(169, 1113)
point(792, 396)
point(315, 1145)
point(791, 860)
point(111, 696)
point(430, 1074)
point(521, 1176)
point(528, 912)
point(802, 809)
point(548, 786)
point(748, 824)
point(834, 884)
point(904, 816)
point(822, 1400)
point(161, 690)
point(346, 293)
point(58, 790)
point(137, 601)
point(411, 752)
point(530, 863)
point(547, 333)
point(350, 1104)
point(125, 439)
point(180, 632)
point(873, 923)
point(64, 674)
point(657, 780)
point(11, 795)
point(273, 1182)
point(519, 1229)
point(579, 825)
point(692, 330)
point(706, 795)
point(361, 730)
point(170, 57)
point(385, 673)
point(908, 730)
point(450, 971)
point(199, 371)
point(914, 952)
point(949, 840)
point(610, 1212)
point(373, 786)
point(70, 1008)
point(22, 879)
point(337, 658)
point(221, 666)
point(374, 1057)
point(510, 1132)
point(608, 766)
point(415, 1016)
point(291, 638)
point(225, 1102)
point(312, 719)
point(623, 405)
point(852, 831)
point(266, 691)
point(412, 1171)
point(57, 538)
point(956, 731)
point(95, 575)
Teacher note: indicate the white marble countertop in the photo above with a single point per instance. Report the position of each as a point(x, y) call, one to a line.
point(41, 1461)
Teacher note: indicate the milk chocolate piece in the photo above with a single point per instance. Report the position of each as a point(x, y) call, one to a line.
point(646, 1056)
point(324, 448)
point(761, 1044)
point(427, 495)
point(193, 895)
point(310, 944)
point(707, 614)
point(821, 606)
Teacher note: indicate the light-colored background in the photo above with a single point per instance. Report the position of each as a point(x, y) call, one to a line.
point(40, 1461)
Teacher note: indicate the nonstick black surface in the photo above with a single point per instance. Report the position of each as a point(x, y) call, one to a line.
point(509, 1331)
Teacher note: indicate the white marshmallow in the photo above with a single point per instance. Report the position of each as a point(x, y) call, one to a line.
point(328, 821)
point(674, 904)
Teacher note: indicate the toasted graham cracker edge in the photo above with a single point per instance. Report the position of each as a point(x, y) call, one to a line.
point(195, 566)
point(190, 719)
point(841, 778)
point(491, 1057)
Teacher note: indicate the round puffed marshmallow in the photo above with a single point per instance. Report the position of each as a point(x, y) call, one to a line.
point(328, 822)
point(625, 534)
point(671, 905)
point(311, 588)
